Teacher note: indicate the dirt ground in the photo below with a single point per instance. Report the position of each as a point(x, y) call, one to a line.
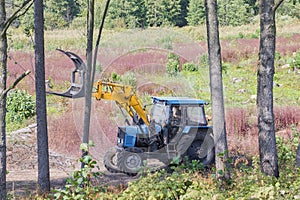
point(23, 170)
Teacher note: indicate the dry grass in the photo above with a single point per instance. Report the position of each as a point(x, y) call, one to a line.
point(241, 127)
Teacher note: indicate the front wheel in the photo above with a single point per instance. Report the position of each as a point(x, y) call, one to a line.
point(130, 162)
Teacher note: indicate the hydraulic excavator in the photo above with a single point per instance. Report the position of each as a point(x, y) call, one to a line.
point(176, 127)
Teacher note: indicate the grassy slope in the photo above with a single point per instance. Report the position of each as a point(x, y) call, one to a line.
point(240, 63)
point(129, 50)
point(239, 83)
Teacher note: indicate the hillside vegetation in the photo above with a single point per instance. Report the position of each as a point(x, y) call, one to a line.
point(140, 57)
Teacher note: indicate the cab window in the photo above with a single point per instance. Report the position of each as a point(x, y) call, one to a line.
point(196, 116)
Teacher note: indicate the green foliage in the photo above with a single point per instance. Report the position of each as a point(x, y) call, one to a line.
point(162, 12)
point(171, 12)
point(126, 14)
point(115, 77)
point(165, 42)
point(234, 12)
point(57, 14)
point(289, 8)
point(20, 106)
point(192, 181)
point(159, 185)
point(287, 148)
point(146, 13)
point(126, 79)
point(203, 61)
point(191, 67)
point(129, 79)
point(172, 67)
point(294, 61)
point(79, 185)
point(196, 12)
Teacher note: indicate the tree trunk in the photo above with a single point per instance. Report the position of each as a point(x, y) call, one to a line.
point(266, 137)
point(298, 157)
point(3, 76)
point(216, 87)
point(88, 83)
point(42, 133)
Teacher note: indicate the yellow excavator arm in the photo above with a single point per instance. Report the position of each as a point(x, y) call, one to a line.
point(124, 96)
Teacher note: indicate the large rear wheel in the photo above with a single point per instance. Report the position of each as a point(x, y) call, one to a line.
point(202, 149)
point(110, 161)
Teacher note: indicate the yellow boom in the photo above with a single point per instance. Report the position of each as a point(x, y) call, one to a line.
point(124, 96)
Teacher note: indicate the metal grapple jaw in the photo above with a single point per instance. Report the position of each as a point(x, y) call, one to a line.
point(76, 90)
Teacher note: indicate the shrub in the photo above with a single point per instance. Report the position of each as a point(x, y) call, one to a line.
point(115, 77)
point(191, 67)
point(203, 60)
point(172, 67)
point(79, 185)
point(294, 61)
point(20, 106)
point(129, 79)
point(192, 180)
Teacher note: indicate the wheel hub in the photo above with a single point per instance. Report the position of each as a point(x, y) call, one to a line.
point(133, 161)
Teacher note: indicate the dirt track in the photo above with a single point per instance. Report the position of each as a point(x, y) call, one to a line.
point(23, 169)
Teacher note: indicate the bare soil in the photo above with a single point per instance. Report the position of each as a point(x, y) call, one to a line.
point(23, 169)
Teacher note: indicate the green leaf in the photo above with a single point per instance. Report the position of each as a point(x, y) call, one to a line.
point(84, 147)
point(79, 180)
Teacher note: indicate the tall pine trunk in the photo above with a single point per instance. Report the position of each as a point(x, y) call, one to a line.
point(266, 129)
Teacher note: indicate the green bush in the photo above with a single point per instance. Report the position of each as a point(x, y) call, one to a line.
point(79, 185)
point(203, 60)
point(115, 77)
point(20, 106)
point(193, 181)
point(190, 67)
point(294, 61)
point(129, 79)
point(172, 67)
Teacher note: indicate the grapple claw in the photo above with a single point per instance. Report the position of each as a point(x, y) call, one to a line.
point(76, 90)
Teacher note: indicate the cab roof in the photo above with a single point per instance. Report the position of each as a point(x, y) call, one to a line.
point(178, 101)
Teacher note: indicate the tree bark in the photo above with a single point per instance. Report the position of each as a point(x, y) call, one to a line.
point(266, 130)
point(3, 77)
point(216, 87)
point(298, 157)
point(42, 133)
point(88, 78)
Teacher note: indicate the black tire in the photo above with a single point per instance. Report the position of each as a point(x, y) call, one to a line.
point(130, 162)
point(202, 149)
point(110, 161)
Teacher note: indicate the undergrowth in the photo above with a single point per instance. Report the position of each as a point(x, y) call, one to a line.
point(192, 181)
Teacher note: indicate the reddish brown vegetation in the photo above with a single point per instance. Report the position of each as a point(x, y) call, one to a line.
point(285, 116)
point(64, 134)
point(241, 127)
point(148, 60)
